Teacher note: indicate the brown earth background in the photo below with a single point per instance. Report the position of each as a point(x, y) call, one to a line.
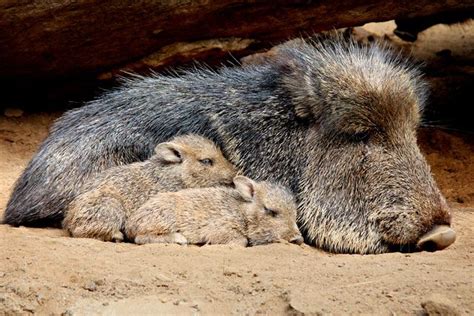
point(42, 271)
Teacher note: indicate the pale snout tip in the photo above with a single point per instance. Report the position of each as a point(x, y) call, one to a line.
point(440, 237)
point(297, 240)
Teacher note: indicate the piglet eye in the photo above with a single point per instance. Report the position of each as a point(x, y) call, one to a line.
point(271, 212)
point(206, 162)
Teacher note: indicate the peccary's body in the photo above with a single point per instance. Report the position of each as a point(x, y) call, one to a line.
point(251, 214)
point(333, 121)
point(101, 210)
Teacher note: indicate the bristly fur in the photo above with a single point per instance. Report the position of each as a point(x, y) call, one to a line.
point(333, 120)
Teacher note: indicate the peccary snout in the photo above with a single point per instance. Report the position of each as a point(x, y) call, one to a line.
point(413, 203)
point(438, 238)
point(297, 240)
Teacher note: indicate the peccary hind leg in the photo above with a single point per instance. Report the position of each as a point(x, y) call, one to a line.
point(101, 219)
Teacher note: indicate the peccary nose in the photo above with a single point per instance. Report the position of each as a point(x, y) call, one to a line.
point(440, 237)
point(297, 240)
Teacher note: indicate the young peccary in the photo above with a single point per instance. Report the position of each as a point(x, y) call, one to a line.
point(334, 121)
point(188, 161)
point(253, 213)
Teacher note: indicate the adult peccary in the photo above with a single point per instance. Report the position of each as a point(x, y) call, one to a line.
point(188, 161)
point(254, 213)
point(333, 120)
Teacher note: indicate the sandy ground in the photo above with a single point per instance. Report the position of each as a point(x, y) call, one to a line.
point(45, 272)
point(42, 271)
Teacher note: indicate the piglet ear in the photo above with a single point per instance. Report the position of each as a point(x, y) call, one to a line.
point(246, 187)
point(169, 152)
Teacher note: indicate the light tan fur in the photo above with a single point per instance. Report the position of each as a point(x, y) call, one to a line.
point(189, 161)
point(253, 213)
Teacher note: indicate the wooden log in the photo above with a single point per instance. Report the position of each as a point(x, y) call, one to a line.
point(52, 38)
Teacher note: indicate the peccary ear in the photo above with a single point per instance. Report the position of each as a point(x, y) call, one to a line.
point(246, 187)
point(169, 152)
point(301, 86)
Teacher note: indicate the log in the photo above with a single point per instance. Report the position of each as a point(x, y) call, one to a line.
point(61, 38)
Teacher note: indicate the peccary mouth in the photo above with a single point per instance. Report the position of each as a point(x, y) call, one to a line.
point(438, 238)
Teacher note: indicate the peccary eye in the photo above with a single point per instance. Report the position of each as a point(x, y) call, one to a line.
point(271, 212)
point(207, 162)
point(360, 137)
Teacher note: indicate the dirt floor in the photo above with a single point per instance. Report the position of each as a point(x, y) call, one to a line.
point(43, 271)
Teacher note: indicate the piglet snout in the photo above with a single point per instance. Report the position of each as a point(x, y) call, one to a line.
point(297, 240)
